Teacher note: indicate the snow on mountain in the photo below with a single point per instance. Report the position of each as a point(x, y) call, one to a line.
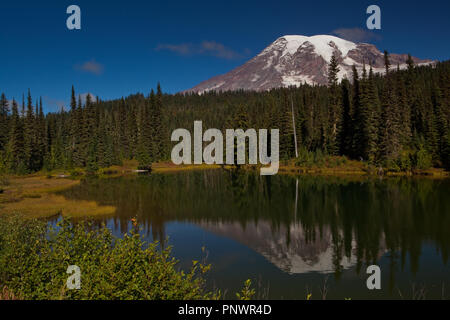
point(322, 45)
point(293, 60)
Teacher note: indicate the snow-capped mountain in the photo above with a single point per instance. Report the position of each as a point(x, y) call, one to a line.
point(294, 60)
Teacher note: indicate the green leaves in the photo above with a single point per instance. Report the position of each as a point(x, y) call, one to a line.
point(34, 258)
point(246, 293)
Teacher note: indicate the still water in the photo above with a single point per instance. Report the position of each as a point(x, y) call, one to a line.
point(292, 235)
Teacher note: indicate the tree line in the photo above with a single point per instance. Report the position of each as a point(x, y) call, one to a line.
point(91, 134)
point(398, 120)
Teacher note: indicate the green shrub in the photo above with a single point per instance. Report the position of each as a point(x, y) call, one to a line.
point(392, 165)
point(305, 158)
point(336, 162)
point(34, 258)
point(319, 158)
point(315, 159)
point(246, 293)
point(404, 161)
point(423, 160)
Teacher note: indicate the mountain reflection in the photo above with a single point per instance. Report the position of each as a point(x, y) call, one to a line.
point(294, 254)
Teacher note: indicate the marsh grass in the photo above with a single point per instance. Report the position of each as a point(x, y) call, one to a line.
point(49, 205)
point(167, 167)
point(34, 197)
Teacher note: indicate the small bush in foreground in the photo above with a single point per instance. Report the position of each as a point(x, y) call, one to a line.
point(34, 259)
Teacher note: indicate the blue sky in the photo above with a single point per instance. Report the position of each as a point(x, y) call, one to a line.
point(126, 47)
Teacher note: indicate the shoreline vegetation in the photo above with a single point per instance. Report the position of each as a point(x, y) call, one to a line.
point(341, 165)
point(34, 195)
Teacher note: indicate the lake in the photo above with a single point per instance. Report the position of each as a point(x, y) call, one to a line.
point(292, 235)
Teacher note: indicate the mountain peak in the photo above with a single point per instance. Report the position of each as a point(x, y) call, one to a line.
point(324, 45)
point(293, 60)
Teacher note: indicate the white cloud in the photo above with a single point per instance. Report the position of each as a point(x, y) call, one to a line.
point(211, 48)
point(90, 67)
point(356, 34)
point(84, 96)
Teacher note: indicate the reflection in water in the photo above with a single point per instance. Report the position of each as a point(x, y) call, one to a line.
point(296, 256)
point(301, 225)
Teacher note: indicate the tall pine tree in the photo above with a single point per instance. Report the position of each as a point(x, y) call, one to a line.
point(334, 109)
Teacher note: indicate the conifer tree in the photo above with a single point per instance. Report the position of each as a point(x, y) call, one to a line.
point(410, 63)
point(347, 119)
point(131, 132)
point(102, 145)
point(404, 110)
point(122, 123)
point(390, 129)
point(72, 150)
point(111, 152)
point(92, 161)
point(239, 120)
point(371, 116)
point(143, 149)
point(158, 132)
point(149, 130)
point(4, 126)
point(334, 109)
point(41, 135)
point(387, 62)
point(431, 130)
point(85, 137)
point(287, 141)
point(22, 111)
point(357, 139)
point(29, 136)
point(16, 156)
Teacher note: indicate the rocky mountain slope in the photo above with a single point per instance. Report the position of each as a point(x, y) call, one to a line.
point(294, 60)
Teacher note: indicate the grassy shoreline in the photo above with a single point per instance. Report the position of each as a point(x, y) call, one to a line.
point(34, 197)
point(338, 167)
